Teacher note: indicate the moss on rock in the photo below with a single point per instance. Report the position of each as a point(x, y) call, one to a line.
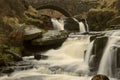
point(51, 37)
point(98, 18)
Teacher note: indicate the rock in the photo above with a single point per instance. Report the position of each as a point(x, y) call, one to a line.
point(32, 33)
point(23, 65)
point(115, 22)
point(98, 49)
point(40, 56)
point(114, 27)
point(100, 77)
point(94, 35)
point(8, 70)
point(51, 37)
point(71, 25)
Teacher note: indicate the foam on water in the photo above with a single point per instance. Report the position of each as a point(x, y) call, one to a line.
point(64, 63)
point(108, 55)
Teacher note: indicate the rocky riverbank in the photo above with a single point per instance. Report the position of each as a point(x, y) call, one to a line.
point(24, 32)
point(19, 26)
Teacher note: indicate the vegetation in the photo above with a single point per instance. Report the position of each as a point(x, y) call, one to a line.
point(32, 17)
point(99, 17)
point(13, 15)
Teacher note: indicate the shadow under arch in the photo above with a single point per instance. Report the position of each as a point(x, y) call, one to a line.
point(59, 9)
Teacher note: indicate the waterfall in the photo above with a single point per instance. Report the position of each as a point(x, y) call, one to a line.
point(108, 55)
point(65, 63)
point(81, 26)
point(58, 24)
point(89, 52)
point(87, 27)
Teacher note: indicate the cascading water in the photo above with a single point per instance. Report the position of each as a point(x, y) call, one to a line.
point(65, 63)
point(58, 24)
point(108, 55)
point(87, 30)
point(89, 52)
point(81, 26)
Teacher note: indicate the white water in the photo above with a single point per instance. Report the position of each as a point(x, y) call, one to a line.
point(81, 26)
point(89, 52)
point(58, 24)
point(87, 26)
point(108, 55)
point(65, 63)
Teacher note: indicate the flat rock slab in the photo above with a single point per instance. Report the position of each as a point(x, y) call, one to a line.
point(31, 33)
point(51, 37)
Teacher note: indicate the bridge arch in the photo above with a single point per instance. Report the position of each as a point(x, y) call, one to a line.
point(59, 9)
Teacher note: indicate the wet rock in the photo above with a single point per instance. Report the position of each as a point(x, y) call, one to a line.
point(71, 25)
point(40, 56)
point(8, 70)
point(51, 37)
point(32, 33)
point(94, 35)
point(98, 49)
point(27, 52)
point(100, 77)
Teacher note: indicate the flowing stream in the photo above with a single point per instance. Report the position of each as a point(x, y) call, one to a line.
point(109, 55)
point(65, 63)
point(70, 61)
point(81, 26)
point(58, 24)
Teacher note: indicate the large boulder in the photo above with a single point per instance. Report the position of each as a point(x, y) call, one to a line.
point(32, 33)
point(51, 37)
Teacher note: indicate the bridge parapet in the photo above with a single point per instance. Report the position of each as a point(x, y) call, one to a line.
point(67, 7)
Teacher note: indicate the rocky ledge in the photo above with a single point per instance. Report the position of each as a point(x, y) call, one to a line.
point(51, 37)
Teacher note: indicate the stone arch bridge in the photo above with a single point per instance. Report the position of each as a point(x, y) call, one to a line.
point(66, 7)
